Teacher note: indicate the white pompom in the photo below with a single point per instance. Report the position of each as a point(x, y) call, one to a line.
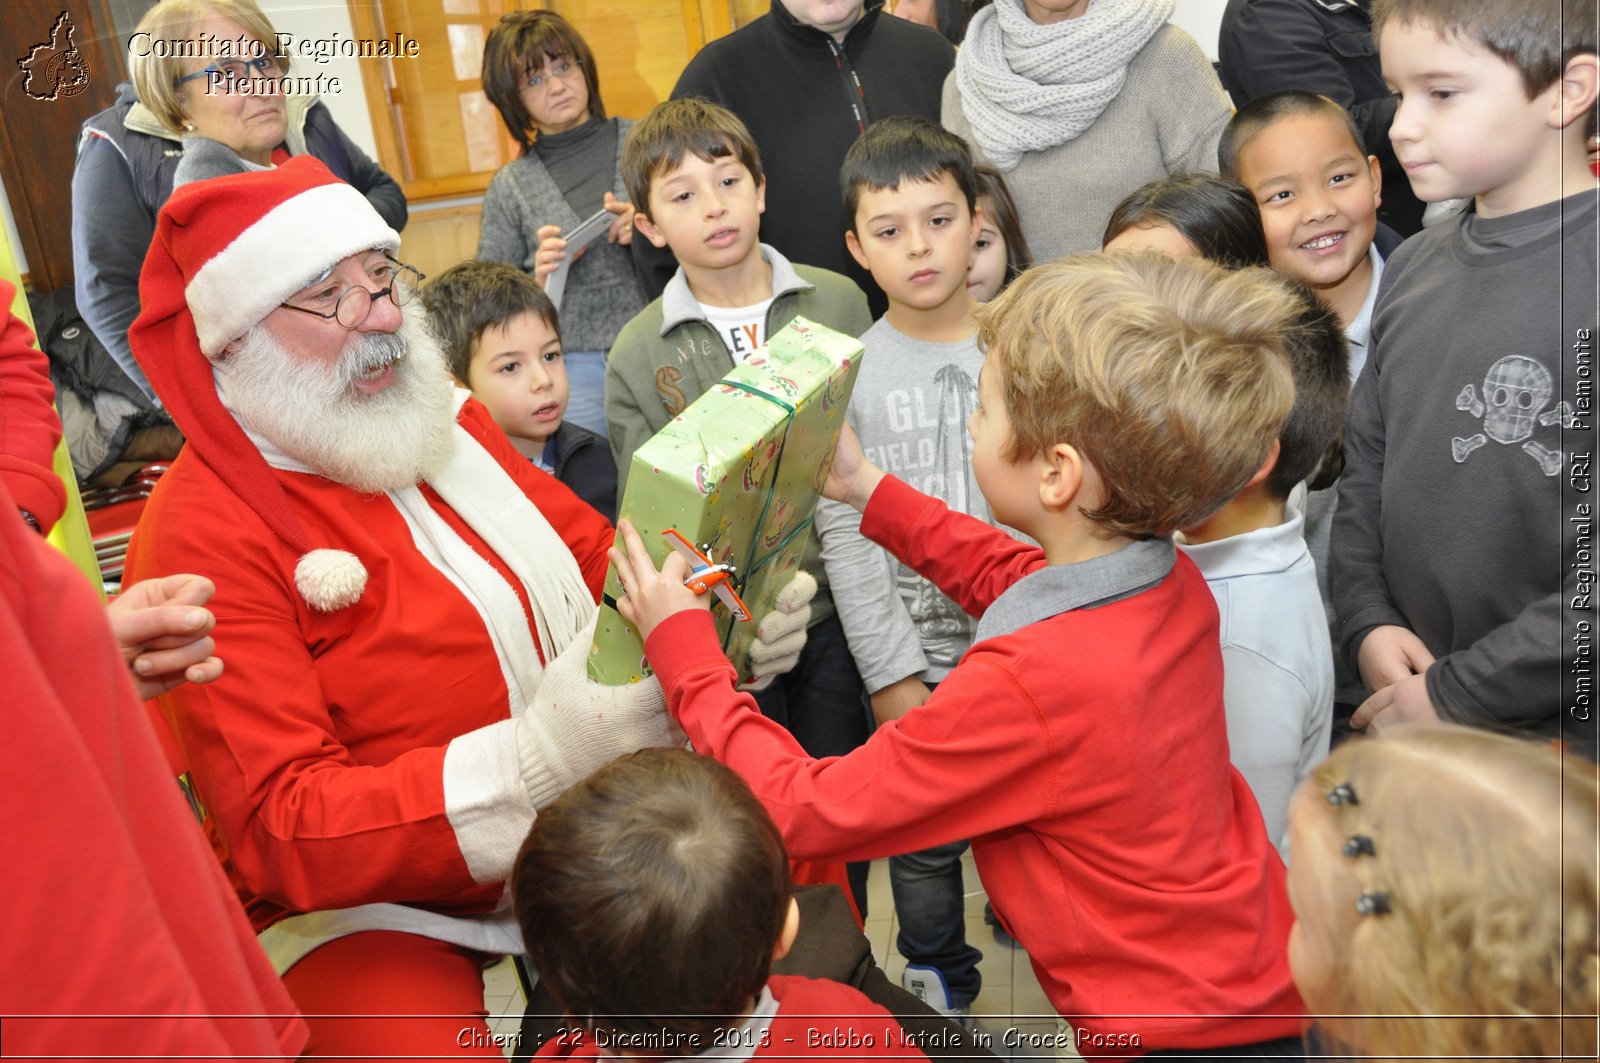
point(329, 580)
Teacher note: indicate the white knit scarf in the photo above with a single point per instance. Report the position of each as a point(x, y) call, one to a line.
point(482, 493)
point(1026, 87)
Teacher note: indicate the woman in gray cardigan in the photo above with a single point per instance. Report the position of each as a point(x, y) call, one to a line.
point(539, 72)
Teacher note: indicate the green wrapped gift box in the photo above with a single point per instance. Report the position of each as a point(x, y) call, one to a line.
point(740, 470)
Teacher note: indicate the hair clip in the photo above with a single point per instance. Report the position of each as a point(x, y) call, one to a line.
point(1343, 794)
point(1373, 902)
point(1359, 845)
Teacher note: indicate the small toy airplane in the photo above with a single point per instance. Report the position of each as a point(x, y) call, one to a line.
point(706, 576)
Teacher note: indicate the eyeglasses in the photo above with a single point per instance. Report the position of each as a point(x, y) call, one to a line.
point(351, 306)
point(230, 71)
point(562, 69)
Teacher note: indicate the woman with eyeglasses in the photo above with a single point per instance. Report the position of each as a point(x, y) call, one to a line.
point(540, 74)
point(129, 154)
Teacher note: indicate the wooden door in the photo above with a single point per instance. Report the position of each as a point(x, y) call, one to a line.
point(61, 66)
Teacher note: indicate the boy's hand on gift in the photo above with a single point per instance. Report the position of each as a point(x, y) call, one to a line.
point(1404, 702)
point(551, 253)
point(851, 477)
point(897, 699)
point(621, 231)
point(1389, 654)
point(648, 597)
point(164, 632)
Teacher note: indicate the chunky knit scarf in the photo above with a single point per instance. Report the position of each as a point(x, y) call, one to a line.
point(1026, 87)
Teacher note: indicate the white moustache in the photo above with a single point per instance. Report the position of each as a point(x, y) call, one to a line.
point(370, 354)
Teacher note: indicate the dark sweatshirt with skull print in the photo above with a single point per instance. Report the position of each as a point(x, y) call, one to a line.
point(1466, 507)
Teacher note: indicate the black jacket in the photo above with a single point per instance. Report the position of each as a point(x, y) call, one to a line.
point(796, 90)
point(583, 462)
point(123, 176)
point(1326, 47)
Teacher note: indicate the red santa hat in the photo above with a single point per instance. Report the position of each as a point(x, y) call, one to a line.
point(227, 251)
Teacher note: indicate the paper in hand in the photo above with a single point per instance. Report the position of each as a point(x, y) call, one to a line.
point(585, 233)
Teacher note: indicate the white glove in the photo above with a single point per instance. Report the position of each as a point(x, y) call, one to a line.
point(781, 634)
point(576, 726)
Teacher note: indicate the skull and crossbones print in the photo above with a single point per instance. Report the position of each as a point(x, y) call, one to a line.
point(1515, 392)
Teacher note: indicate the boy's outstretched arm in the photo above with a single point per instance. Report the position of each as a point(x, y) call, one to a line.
point(972, 574)
point(851, 477)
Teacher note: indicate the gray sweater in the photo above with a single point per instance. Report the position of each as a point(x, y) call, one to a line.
point(1167, 118)
point(1456, 502)
point(910, 408)
point(602, 293)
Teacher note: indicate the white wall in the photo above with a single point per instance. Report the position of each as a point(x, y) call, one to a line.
point(330, 20)
point(1201, 19)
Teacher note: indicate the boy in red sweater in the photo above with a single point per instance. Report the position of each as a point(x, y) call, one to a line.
point(1081, 742)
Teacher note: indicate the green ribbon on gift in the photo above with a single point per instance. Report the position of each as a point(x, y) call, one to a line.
point(788, 407)
point(742, 577)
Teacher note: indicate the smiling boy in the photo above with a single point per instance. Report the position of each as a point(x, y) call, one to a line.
point(1449, 540)
point(1301, 157)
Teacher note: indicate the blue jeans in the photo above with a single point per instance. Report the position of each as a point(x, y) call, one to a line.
point(930, 904)
point(822, 702)
point(586, 390)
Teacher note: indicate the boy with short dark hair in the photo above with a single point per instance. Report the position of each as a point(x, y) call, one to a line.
point(1301, 157)
point(695, 176)
point(502, 339)
point(654, 897)
point(1081, 743)
point(1277, 660)
point(910, 199)
point(1453, 565)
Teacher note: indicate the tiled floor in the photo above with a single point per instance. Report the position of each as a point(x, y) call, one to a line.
point(502, 995)
point(1011, 999)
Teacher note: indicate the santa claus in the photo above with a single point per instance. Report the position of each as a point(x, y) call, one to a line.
point(403, 601)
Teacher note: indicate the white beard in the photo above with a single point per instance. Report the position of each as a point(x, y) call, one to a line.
point(312, 411)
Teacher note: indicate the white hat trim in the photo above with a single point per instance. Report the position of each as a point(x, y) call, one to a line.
point(281, 253)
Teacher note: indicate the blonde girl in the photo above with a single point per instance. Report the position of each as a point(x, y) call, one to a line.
point(1444, 885)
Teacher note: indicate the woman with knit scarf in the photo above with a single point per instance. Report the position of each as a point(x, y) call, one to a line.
point(1079, 102)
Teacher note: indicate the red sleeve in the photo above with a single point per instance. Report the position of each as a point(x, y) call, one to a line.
point(587, 534)
point(955, 768)
point(973, 563)
point(29, 427)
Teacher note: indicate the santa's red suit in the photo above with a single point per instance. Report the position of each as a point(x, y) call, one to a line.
point(379, 744)
point(327, 754)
